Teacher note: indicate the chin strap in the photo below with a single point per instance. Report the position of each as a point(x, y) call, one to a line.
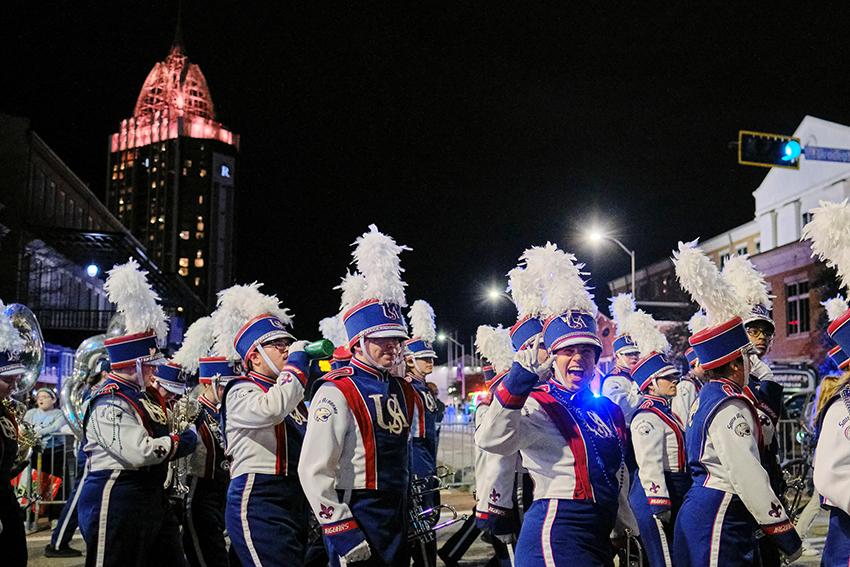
point(368, 357)
point(140, 374)
point(268, 361)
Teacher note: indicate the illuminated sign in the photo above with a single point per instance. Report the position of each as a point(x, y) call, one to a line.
point(225, 170)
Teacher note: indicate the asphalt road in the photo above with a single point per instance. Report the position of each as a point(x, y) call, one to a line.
point(477, 555)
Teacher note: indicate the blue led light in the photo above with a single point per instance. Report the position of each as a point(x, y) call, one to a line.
point(791, 151)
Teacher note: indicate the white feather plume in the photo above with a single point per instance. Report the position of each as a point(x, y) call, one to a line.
point(747, 282)
point(525, 292)
point(236, 306)
point(128, 288)
point(697, 322)
point(377, 258)
point(422, 321)
point(494, 344)
point(622, 305)
point(560, 275)
point(835, 307)
point(333, 330)
point(644, 331)
point(829, 231)
point(702, 280)
point(196, 344)
point(353, 287)
point(10, 339)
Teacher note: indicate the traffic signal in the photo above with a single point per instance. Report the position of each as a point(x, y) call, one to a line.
point(768, 150)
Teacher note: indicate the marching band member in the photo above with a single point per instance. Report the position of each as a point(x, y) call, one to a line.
point(208, 468)
point(496, 475)
point(832, 455)
point(262, 421)
point(419, 357)
point(123, 507)
point(13, 542)
point(731, 496)
point(766, 394)
point(687, 390)
point(355, 462)
point(571, 442)
point(658, 439)
point(618, 385)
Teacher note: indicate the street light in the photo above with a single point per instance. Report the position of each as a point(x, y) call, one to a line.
point(494, 294)
point(443, 337)
point(92, 270)
point(596, 235)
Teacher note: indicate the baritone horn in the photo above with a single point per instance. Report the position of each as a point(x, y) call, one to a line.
point(424, 522)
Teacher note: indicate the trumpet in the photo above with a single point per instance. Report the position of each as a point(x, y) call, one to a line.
point(634, 550)
point(181, 417)
point(425, 522)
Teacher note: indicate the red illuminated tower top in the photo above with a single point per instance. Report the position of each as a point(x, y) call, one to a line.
point(174, 101)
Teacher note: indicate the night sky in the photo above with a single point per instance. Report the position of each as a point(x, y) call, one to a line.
point(467, 134)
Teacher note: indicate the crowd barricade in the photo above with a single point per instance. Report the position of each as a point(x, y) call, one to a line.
point(456, 450)
point(45, 484)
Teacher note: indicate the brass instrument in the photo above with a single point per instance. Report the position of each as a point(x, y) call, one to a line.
point(32, 357)
point(634, 550)
point(74, 390)
point(424, 522)
point(184, 413)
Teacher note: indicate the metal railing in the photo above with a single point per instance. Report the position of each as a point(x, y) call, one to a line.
point(456, 450)
point(48, 480)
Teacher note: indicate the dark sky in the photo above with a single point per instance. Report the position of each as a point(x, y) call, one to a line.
point(466, 133)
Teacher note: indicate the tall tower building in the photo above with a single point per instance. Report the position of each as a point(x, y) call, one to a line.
point(171, 176)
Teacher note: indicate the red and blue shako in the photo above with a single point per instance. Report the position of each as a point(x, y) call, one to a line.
point(569, 329)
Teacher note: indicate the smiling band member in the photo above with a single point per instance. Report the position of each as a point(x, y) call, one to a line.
point(658, 438)
point(572, 442)
point(262, 421)
point(355, 463)
point(731, 496)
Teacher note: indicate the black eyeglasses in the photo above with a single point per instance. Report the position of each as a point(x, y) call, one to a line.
point(279, 344)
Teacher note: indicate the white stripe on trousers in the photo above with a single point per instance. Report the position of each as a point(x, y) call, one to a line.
point(546, 533)
point(101, 520)
point(72, 509)
point(717, 531)
point(665, 549)
point(243, 515)
point(190, 522)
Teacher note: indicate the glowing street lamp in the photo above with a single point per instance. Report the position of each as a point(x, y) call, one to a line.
point(92, 270)
point(597, 235)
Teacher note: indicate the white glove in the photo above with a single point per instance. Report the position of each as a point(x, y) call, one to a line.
point(759, 369)
point(297, 346)
point(527, 358)
point(788, 559)
point(359, 552)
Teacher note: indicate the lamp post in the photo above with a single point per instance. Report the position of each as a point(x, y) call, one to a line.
point(443, 337)
point(596, 236)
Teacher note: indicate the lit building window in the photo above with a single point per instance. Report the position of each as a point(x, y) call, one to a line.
point(114, 176)
point(199, 262)
point(184, 262)
point(199, 235)
point(797, 308)
point(200, 199)
point(202, 172)
point(161, 219)
point(183, 272)
point(184, 235)
point(153, 184)
point(199, 254)
point(153, 220)
point(188, 163)
point(197, 282)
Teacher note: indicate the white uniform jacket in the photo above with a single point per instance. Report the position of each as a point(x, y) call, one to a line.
point(832, 457)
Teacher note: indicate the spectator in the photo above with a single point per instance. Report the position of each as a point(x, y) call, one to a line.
point(47, 420)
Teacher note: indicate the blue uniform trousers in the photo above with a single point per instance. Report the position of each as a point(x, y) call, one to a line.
point(565, 533)
point(203, 524)
point(64, 531)
point(714, 524)
point(266, 518)
point(13, 539)
point(657, 543)
point(382, 516)
point(836, 550)
point(123, 517)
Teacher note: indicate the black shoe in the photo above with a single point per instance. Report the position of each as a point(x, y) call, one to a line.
point(51, 551)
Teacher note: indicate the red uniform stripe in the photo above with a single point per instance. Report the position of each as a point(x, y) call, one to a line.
point(280, 437)
point(680, 438)
point(565, 423)
point(364, 422)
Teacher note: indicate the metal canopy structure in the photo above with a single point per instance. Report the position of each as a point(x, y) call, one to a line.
point(109, 248)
